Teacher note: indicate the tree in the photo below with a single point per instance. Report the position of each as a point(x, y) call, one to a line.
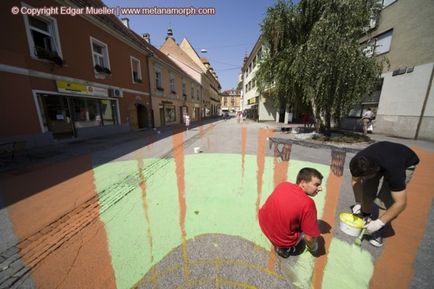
point(314, 55)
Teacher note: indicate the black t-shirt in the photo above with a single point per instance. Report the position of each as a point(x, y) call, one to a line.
point(393, 159)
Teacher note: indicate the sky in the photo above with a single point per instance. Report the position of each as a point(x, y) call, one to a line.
point(227, 36)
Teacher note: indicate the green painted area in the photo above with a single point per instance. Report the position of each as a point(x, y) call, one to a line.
point(348, 266)
point(219, 199)
point(124, 221)
point(163, 211)
point(226, 201)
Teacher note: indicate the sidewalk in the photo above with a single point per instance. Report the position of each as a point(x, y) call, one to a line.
point(429, 145)
point(40, 156)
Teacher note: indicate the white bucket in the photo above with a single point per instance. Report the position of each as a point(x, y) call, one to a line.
point(352, 228)
point(196, 150)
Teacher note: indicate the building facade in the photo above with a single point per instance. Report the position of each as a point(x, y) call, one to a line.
point(50, 92)
point(174, 93)
point(256, 105)
point(209, 80)
point(405, 98)
point(230, 100)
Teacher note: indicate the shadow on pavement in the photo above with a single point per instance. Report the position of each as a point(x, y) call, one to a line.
point(52, 165)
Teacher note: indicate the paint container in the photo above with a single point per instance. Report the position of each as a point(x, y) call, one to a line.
point(350, 224)
point(196, 150)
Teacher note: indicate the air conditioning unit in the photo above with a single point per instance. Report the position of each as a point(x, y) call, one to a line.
point(115, 92)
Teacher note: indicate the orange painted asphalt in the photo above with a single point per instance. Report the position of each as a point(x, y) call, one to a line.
point(399, 252)
point(73, 245)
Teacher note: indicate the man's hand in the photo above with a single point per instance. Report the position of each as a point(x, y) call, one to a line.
point(374, 226)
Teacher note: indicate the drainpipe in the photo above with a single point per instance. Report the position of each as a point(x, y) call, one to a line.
point(424, 104)
point(151, 114)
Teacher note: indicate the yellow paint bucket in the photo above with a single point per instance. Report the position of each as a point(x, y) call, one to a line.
point(350, 224)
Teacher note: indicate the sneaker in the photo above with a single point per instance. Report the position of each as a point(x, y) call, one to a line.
point(357, 211)
point(284, 252)
point(376, 239)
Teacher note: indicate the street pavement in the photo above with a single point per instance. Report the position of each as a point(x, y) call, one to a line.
point(176, 208)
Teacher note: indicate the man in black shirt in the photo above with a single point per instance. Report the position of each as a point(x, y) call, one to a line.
point(390, 165)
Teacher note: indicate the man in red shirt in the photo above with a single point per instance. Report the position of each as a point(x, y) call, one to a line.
point(289, 214)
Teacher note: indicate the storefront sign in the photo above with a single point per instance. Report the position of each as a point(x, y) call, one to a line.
point(78, 88)
point(64, 86)
point(97, 91)
point(251, 100)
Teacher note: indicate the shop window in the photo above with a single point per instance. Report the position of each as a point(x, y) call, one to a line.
point(100, 56)
point(43, 39)
point(136, 70)
point(108, 111)
point(86, 112)
point(169, 113)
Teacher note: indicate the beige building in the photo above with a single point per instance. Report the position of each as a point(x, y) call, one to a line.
point(174, 92)
point(230, 100)
point(198, 69)
point(210, 84)
point(257, 105)
point(404, 103)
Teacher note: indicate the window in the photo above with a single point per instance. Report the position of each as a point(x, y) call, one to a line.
point(108, 111)
point(90, 112)
point(42, 36)
point(169, 113)
point(184, 88)
point(192, 92)
point(387, 2)
point(197, 94)
point(383, 42)
point(172, 84)
point(136, 70)
point(100, 56)
point(158, 78)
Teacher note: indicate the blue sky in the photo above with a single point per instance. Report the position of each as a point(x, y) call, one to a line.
point(227, 36)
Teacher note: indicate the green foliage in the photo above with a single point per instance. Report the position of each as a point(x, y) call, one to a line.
point(313, 55)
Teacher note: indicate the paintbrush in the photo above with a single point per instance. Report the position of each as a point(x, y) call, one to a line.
point(358, 240)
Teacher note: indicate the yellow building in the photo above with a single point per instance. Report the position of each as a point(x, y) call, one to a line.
point(230, 100)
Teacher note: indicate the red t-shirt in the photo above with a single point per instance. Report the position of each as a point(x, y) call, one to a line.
point(287, 213)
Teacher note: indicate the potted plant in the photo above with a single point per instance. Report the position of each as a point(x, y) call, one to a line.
point(51, 55)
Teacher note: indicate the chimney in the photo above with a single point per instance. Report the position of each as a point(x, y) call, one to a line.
point(126, 22)
point(147, 37)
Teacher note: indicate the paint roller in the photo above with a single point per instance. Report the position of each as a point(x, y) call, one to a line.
point(358, 240)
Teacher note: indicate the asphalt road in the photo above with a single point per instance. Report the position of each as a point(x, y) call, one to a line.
point(143, 210)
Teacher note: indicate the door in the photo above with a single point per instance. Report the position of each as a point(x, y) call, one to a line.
point(162, 117)
point(142, 116)
point(58, 115)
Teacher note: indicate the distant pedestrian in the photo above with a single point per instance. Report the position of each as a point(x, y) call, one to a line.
point(367, 118)
point(187, 121)
point(289, 214)
point(306, 120)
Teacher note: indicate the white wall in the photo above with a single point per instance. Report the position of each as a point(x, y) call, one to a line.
point(401, 102)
